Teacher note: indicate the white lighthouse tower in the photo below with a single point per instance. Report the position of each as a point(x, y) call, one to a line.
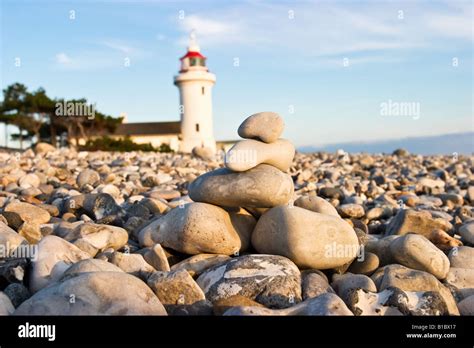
point(195, 84)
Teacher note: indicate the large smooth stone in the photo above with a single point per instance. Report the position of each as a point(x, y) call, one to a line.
point(417, 252)
point(273, 281)
point(17, 213)
point(316, 204)
point(327, 304)
point(462, 257)
point(264, 126)
point(420, 222)
point(261, 187)
point(198, 228)
point(9, 240)
point(97, 293)
point(54, 257)
point(311, 240)
point(408, 279)
point(247, 154)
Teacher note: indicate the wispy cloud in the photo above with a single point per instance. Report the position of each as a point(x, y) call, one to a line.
point(211, 31)
point(207, 26)
point(451, 25)
point(328, 62)
point(63, 59)
point(333, 28)
point(120, 46)
point(105, 54)
point(88, 61)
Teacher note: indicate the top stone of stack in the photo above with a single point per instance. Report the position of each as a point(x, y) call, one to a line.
point(264, 126)
point(262, 145)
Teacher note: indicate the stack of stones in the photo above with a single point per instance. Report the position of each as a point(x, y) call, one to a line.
point(222, 219)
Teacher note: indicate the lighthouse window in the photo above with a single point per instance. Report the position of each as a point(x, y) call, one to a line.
point(197, 127)
point(196, 61)
point(202, 90)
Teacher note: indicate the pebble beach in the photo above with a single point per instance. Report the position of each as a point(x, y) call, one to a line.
point(260, 230)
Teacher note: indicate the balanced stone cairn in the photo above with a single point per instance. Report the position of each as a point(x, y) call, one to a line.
point(270, 233)
point(254, 179)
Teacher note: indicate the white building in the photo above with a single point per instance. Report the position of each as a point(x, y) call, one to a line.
point(195, 127)
point(195, 84)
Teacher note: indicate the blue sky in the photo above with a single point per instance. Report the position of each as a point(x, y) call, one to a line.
point(291, 54)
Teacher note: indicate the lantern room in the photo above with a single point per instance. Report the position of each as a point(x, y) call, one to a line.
point(193, 59)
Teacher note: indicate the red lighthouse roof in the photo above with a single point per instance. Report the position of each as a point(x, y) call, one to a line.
point(192, 54)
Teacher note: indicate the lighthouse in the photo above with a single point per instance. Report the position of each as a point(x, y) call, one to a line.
point(195, 83)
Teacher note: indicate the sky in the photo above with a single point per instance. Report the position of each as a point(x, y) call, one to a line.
point(331, 69)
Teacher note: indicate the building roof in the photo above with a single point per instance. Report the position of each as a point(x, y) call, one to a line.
point(228, 142)
point(192, 54)
point(148, 128)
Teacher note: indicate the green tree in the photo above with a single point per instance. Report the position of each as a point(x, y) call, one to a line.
point(15, 107)
point(82, 126)
point(43, 108)
point(34, 113)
